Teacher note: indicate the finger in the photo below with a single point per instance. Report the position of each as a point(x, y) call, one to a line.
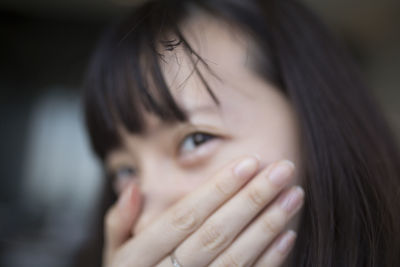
point(261, 232)
point(275, 255)
point(226, 223)
point(187, 215)
point(120, 219)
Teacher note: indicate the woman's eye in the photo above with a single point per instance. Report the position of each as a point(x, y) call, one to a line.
point(125, 172)
point(122, 177)
point(192, 141)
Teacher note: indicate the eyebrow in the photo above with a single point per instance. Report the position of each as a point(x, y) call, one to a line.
point(201, 109)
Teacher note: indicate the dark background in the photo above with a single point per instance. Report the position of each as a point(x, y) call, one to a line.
point(49, 179)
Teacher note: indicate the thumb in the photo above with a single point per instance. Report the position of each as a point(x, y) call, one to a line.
point(120, 218)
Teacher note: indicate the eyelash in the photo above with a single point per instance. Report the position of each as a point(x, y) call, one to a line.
point(198, 139)
point(122, 175)
point(191, 142)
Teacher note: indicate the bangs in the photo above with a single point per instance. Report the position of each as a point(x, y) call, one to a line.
point(125, 79)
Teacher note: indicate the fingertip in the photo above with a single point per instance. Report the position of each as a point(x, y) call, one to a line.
point(125, 196)
point(286, 242)
point(121, 217)
point(129, 199)
point(135, 197)
point(257, 156)
point(246, 167)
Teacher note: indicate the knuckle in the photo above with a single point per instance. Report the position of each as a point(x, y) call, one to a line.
point(184, 219)
point(255, 198)
point(223, 188)
point(273, 224)
point(228, 260)
point(213, 238)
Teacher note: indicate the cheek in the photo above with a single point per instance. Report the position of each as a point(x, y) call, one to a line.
point(272, 134)
point(273, 141)
point(268, 150)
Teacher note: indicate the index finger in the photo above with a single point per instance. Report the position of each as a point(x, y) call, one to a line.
point(179, 221)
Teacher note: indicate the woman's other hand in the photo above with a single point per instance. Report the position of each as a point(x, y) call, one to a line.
point(235, 219)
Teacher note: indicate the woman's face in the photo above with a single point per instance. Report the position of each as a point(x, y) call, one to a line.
point(253, 118)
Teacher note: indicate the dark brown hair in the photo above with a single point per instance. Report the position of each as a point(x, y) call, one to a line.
point(351, 160)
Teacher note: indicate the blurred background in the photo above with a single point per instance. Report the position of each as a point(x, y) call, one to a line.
point(50, 182)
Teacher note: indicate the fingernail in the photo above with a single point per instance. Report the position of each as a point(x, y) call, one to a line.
point(257, 156)
point(280, 174)
point(286, 242)
point(246, 167)
point(293, 200)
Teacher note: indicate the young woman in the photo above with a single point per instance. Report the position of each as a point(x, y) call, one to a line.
point(217, 120)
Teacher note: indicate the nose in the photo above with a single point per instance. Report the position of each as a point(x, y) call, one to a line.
point(162, 184)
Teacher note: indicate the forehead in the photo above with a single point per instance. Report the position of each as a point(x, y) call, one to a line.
point(230, 56)
point(228, 53)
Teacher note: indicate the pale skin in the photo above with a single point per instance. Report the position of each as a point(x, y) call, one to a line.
point(217, 190)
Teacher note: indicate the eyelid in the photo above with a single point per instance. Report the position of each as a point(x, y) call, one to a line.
point(202, 152)
point(191, 140)
point(199, 155)
point(116, 162)
point(191, 129)
point(112, 173)
point(120, 158)
point(119, 182)
point(114, 170)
